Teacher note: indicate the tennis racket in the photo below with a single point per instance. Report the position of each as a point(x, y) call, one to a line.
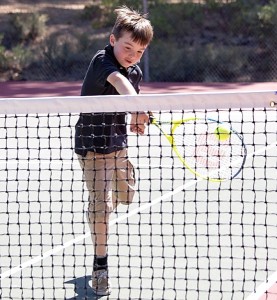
point(208, 148)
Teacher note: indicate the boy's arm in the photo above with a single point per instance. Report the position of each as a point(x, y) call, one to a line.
point(124, 87)
point(121, 84)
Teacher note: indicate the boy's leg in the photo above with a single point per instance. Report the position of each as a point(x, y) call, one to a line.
point(123, 179)
point(98, 171)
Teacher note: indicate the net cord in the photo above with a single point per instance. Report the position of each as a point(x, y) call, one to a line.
point(146, 102)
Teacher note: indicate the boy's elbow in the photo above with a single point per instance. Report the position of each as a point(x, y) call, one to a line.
point(121, 84)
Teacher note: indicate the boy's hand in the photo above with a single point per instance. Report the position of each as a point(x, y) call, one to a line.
point(138, 122)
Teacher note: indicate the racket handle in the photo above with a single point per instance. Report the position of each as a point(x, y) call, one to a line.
point(151, 117)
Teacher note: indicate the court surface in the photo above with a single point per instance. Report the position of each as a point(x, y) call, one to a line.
point(143, 263)
point(48, 89)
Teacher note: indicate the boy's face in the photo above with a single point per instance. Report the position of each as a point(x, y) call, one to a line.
point(126, 51)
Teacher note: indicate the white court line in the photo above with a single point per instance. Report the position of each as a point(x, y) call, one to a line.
point(87, 234)
point(265, 286)
point(113, 222)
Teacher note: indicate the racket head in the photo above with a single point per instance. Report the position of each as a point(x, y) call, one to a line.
point(208, 148)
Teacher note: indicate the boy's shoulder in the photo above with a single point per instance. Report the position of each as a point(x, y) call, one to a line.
point(107, 53)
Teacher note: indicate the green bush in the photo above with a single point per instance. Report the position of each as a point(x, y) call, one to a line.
point(199, 63)
point(268, 19)
point(3, 58)
point(20, 57)
point(96, 14)
point(26, 27)
point(64, 57)
point(14, 60)
point(212, 41)
point(176, 20)
point(102, 15)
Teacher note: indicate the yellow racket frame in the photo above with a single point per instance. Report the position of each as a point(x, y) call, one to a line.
point(170, 138)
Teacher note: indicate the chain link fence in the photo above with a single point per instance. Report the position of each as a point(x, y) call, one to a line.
point(195, 41)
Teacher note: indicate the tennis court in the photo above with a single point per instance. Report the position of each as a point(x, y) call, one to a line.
point(183, 238)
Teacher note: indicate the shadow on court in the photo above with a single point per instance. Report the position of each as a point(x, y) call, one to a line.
point(82, 289)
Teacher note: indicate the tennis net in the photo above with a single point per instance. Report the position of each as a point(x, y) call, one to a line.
point(183, 237)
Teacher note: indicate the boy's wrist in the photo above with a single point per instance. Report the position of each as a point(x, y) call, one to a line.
point(138, 112)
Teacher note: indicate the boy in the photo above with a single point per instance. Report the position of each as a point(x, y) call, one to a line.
point(101, 138)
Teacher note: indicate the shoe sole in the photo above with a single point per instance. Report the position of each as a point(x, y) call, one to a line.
point(99, 293)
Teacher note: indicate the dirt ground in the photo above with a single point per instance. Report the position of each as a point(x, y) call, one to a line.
point(23, 6)
point(61, 14)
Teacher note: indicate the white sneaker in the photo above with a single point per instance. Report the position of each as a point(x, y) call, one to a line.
point(100, 283)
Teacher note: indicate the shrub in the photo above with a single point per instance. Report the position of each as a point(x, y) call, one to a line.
point(14, 60)
point(3, 59)
point(268, 19)
point(202, 63)
point(96, 14)
point(26, 27)
point(20, 57)
point(176, 20)
point(64, 57)
point(211, 41)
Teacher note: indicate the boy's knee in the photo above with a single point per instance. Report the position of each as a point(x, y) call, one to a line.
point(99, 212)
point(95, 217)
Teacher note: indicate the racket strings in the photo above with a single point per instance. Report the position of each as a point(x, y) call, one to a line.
point(198, 146)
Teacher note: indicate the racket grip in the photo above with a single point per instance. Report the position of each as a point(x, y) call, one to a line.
point(151, 117)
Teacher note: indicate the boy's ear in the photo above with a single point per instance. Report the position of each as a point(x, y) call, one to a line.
point(112, 39)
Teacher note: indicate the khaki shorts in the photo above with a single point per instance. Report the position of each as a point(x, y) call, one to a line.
point(109, 179)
